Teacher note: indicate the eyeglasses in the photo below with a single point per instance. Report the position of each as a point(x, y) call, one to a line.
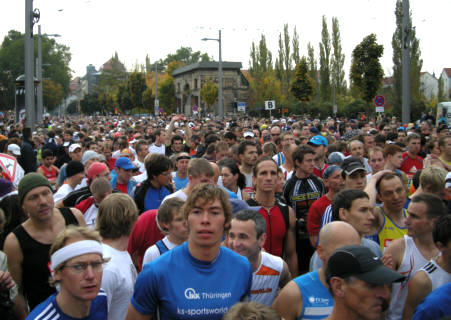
point(275, 134)
point(81, 267)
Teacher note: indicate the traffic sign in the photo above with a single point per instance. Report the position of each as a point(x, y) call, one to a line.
point(380, 109)
point(241, 106)
point(379, 101)
point(270, 105)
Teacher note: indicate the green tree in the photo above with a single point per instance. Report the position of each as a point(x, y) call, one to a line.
point(302, 85)
point(287, 56)
point(186, 56)
point(90, 103)
point(111, 77)
point(166, 94)
point(72, 107)
point(136, 86)
point(324, 62)
point(123, 97)
point(55, 64)
point(338, 59)
point(148, 99)
point(296, 53)
point(209, 93)
point(366, 71)
point(416, 63)
point(52, 94)
point(261, 58)
point(313, 69)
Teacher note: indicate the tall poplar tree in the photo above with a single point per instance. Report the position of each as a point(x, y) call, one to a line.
point(295, 43)
point(313, 69)
point(338, 60)
point(324, 62)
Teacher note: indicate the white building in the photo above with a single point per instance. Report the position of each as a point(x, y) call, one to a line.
point(445, 78)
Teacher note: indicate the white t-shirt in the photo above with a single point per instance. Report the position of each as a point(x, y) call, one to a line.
point(178, 194)
point(152, 252)
point(140, 166)
point(118, 280)
point(62, 192)
point(155, 149)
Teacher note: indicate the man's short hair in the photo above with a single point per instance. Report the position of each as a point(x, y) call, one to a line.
point(140, 144)
point(300, 151)
point(270, 148)
point(262, 159)
point(442, 229)
point(434, 205)
point(251, 311)
point(209, 193)
point(158, 132)
point(116, 216)
point(221, 145)
point(433, 178)
point(156, 164)
point(230, 135)
point(392, 149)
point(442, 141)
point(100, 186)
point(165, 213)
point(344, 199)
point(246, 215)
point(413, 136)
point(387, 176)
point(175, 138)
point(197, 166)
point(244, 144)
point(374, 150)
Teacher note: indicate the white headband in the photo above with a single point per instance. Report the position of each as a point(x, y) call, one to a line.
point(74, 250)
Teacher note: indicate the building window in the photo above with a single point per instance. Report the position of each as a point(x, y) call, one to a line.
point(195, 83)
point(178, 87)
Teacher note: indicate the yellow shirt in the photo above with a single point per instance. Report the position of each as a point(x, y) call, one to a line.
point(390, 230)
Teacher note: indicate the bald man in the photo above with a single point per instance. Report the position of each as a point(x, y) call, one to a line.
point(289, 303)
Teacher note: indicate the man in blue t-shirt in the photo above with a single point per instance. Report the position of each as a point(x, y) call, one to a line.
point(195, 280)
point(180, 176)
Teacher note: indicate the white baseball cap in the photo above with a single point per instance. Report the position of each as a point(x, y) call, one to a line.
point(73, 147)
point(14, 148)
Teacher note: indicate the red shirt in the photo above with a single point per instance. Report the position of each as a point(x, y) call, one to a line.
point(122, 188)
point(145, 234)
point(315, 213)
point(111, 163)
point(411, 166)
point(275, 230)
point(319, 172)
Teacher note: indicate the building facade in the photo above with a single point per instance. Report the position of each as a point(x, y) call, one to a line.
point(189, 79)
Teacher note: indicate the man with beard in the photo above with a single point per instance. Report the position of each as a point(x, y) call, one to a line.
point(319, 144)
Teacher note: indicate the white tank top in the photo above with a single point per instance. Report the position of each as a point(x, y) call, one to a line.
point(265, 280)
point(412, 261)
point(438, 276)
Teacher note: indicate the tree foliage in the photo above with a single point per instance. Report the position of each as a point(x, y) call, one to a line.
point(416, 63)
point(313, 69)
point(338, 59)
point(302, 85)
point(366, 71)
point(209, 93)
point(324, 62)
point(52, 94)
point(55, 64)
point(136, 86)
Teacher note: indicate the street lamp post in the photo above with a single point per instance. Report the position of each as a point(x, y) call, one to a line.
point(40, 107)
point(29, 85)
point(220, 102)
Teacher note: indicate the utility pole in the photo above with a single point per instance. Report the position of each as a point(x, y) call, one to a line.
point(220, 102)
point(40, 106)
point(29, 48)
point(157, 103)
point(405, 62)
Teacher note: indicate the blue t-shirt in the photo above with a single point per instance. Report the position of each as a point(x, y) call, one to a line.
point(50, 310)
point(179, 183)
point(317, 303)
point(436, 305)
point(154, 197)
point(183, 287)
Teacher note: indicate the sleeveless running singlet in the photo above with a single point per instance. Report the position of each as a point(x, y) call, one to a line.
point(412, 261)
point(35, 272)
point(317, 303)
point(390, 230)
point(265, 280)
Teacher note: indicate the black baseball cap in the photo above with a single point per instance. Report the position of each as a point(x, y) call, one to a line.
point(351, 165)
point(362, 263)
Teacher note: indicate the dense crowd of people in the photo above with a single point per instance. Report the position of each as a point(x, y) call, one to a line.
point(130, 217)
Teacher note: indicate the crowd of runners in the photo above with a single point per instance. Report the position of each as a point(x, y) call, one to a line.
point(131, 217)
